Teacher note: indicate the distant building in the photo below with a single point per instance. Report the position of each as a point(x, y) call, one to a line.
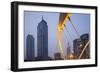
point(85, 39)
point(42, 40)
point(71, 56)
point(30, 50)
point(68, 50)
point(57, 56)
point(76, 46)
point(79, 44)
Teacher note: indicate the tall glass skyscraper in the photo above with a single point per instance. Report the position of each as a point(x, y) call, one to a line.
point(76, 46)
point(42, 40)
point(79, 44)
point(85, 39)
point(30, 50)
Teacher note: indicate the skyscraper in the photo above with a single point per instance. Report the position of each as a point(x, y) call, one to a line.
point(85, 39)
point(42, 40)
point(30, 50)
point(80, 44)
point(76, 46)
point(68, 50)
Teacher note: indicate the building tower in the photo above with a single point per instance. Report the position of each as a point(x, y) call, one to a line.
point(85, 39)
point(42, 40)
point(68, 50)
point(76, 47)
point(30, 50)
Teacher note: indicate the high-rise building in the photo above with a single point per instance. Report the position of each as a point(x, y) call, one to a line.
point(30, 50)
point(68, 49)
point(42, 40)
point(80, 44)
point(85, 39)
point(76, 47)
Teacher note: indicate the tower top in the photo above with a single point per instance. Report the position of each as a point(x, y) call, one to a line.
point(42, 22)
point(42, 17)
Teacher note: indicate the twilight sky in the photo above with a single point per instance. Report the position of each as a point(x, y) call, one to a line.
point(31, 20)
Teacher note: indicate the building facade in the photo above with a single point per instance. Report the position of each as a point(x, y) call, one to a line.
point(30, 50)
point(76, 47)
point(85, 39)
point(68, 51)
point(80, 44)
point(42, 40)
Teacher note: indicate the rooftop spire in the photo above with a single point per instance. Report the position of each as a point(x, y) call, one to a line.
point(42, 17)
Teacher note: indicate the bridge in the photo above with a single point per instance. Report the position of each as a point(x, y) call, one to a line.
point(63, 18)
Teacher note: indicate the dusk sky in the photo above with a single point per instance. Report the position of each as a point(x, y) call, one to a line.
point(31, 20)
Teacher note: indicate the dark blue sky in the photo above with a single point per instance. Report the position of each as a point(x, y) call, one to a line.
point(31, 20)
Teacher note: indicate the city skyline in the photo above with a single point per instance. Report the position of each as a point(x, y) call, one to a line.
point(33, 18)
point(42, 55)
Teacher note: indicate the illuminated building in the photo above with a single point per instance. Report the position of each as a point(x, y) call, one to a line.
point(85, 39)
point(79, 44)
point(71, 56)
